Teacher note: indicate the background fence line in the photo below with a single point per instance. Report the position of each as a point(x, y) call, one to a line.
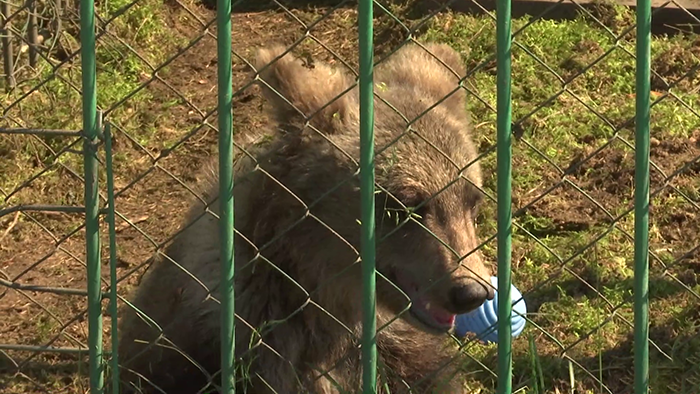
point(7, 53)
point(113, 276)
point(226, 216)
point(91, 132)
point(641, 198)
point(94, 137)
point(367, 196)
point(504, 199)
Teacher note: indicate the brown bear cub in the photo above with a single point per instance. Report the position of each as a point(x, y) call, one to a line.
point(297, 269)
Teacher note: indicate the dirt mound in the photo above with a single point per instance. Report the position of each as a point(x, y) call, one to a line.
point(598, 189)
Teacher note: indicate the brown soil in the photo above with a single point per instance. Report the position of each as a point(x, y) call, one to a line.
point(38, 249)
point(600, 188)
point(33, 250)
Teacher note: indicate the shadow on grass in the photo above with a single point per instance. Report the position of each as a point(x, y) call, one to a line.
point(608, 371)
point(666, 20)
point(674, 364)
point(659, 288)
point(43, 374)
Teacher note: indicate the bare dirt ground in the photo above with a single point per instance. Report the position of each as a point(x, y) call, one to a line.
point(152, 176)
point(40, 249)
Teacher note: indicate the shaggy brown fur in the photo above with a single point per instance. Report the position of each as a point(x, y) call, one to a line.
point(297, 207)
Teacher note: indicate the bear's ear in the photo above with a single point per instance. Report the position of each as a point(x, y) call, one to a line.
point(448, 55)
point(319, 95)
point(443, 53)
point(434, 69)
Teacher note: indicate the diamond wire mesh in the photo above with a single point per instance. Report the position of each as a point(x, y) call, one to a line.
point(572, 180)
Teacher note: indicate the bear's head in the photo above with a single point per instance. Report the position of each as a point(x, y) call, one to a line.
point(427, 173)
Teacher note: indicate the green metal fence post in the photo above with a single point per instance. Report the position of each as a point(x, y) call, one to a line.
point(226, 223)
point(367, 247)
point(641, 199)
point(504, 169)
point(92, 220)
point(111, 216)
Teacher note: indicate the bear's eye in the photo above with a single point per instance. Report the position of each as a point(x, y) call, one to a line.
point(475, 213)
point(402, 212)
point(401, 207)
point(474, 198)
point(416, 206)
point(419, 211)
point(472, 202)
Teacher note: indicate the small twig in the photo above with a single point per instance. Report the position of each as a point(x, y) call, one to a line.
point(125, 226)
point(11, 226)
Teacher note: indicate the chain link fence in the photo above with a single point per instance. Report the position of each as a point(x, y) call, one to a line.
point(299, 294)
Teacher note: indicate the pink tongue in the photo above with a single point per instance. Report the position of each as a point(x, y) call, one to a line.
point(443, 317)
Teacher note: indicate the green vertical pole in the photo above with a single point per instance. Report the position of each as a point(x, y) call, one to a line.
point(92, 226)
point(111, 214)
point(225, 112)
point(504, 169)
point(367, 246)
point(641, 200)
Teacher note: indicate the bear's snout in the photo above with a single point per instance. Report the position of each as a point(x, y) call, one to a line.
point(469, 296)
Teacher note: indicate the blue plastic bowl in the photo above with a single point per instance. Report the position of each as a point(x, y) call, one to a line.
point(484, 321)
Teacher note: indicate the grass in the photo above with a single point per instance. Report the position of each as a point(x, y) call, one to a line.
point(573, 91)
point(136, 40)
point(572, 249)
point(139, 38)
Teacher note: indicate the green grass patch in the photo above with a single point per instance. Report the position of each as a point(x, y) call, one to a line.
point(138, 40)
point(573, 86)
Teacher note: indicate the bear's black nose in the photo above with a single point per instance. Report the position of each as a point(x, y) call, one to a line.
point(467, 297)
